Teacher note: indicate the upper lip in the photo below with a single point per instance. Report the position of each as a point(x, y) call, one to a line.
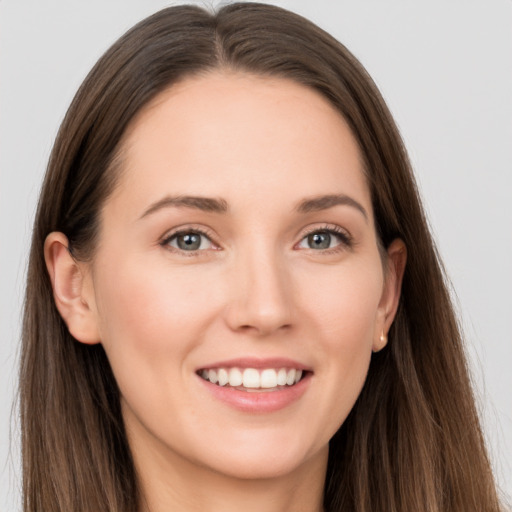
point(258, 363)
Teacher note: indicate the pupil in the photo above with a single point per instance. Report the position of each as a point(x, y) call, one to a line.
point(319, 240)
point(189, 242)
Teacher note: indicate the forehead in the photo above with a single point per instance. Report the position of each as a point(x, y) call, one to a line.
point(230, 134)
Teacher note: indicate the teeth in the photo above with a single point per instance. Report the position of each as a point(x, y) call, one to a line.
point(281, 377)
point(235, 377)
point(251, 378)
point(268, 379)
point(223, 377)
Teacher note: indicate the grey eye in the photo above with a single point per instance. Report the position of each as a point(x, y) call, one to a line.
point(324, 239)
point(319, 240)
point(190, 241)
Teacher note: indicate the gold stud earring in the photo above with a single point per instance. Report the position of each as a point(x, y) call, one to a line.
point(383, 339)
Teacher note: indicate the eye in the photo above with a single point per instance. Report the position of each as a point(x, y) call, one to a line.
point(189, 241)
point(324, 239)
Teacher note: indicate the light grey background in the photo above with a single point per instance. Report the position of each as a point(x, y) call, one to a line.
point(445, 68)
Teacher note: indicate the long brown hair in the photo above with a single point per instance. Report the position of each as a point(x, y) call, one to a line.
point(412, 441)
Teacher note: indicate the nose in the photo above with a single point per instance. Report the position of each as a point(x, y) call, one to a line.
point(260, 301)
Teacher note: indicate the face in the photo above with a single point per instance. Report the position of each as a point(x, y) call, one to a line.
point(237, 287)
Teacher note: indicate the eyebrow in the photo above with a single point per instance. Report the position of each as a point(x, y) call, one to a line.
point(206, 204)
point(217, 205)
point(319, 203)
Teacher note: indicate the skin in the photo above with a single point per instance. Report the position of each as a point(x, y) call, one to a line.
point(255, 288)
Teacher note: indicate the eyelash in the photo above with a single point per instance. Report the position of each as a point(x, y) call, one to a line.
point(186, 231)
point(346, 240)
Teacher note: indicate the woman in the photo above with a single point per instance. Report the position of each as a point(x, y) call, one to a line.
point(233, 299)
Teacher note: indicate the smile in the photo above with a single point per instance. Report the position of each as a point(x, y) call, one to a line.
point(251, 379)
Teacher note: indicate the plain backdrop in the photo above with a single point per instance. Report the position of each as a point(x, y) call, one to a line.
point(445, 69)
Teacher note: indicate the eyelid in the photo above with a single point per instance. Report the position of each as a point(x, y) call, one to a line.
point(184, 229)
point(346, 238)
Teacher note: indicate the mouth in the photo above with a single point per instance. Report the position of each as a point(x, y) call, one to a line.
point(253, 379)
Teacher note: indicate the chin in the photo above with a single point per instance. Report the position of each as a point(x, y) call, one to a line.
point(260, 462)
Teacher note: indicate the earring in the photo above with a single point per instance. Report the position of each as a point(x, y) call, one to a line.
point(383, 342)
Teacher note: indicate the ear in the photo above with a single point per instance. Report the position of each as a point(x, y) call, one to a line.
point(393, 275)
point(72, 289)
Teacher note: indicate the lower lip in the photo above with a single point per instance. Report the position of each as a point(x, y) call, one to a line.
point(258, 401)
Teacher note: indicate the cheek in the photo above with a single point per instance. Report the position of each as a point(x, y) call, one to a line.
point(147, 306)
point(150, 320)
point(344, 312)
point(344, 304)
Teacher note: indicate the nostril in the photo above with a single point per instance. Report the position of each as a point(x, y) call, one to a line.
point(262, 329)
point(260, 303)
